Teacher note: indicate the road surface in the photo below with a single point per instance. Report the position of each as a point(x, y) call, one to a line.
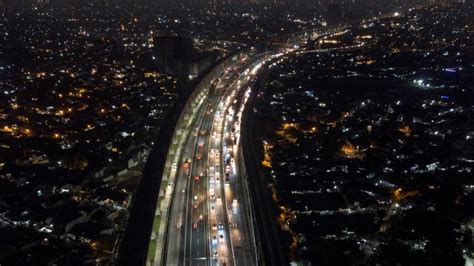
point(210, 222)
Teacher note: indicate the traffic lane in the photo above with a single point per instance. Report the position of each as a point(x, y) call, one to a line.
point(205, 181)
point(241, 244)
point(175, 249)
point(179, 204)
point(219, 247)
point(179, 247)
point(228, 196)
point(210, 175)
point(196, 246)
point(189, 201)
point(227, 251)
point(199, 241)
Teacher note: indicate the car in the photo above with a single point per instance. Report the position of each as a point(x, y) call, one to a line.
point(213, 209)
point(195, 197)
point(179, 224)
point(214, 227)
point(195, 225)
point(201, 217)
point(221, 237)
point(186, 166)
point(221, 226)
point(196, 178)
point(195, 206)
point(214, 253)
point(214, 239)
point(198, 156)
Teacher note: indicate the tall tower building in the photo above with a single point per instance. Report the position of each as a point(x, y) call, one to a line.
point(177, 55)
point(171, 50)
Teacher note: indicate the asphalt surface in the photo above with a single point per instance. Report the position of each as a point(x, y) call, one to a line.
point(210, 221)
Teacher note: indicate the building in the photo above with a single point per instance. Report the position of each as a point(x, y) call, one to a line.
point(177, 55)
